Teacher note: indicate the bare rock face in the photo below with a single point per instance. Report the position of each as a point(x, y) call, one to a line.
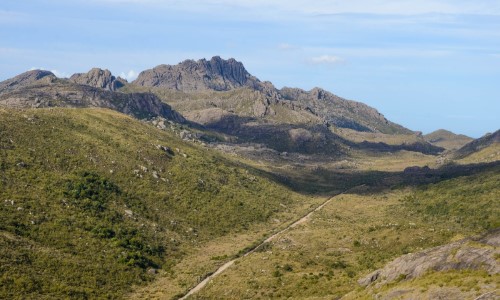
point(460, 255)
point(40, 89)
point(189, 76)
point(99, 78)
point(341, 112)
point(27, 78)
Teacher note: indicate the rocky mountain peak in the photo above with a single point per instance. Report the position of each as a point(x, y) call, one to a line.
point(215, 74)
point(27, 78)
point(99, 78)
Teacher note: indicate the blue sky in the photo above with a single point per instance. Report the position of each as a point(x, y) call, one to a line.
point(426, 64)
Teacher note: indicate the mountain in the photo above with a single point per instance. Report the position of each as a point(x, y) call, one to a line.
point(37, 89)
point(447, 139)
point(99, 78)
point(224, 97)
point(341, 112)
point(190, 76)
point(481, 147)
point(27, 78)
point(258, 99)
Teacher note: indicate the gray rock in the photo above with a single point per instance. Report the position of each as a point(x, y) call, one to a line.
point(46, 92)
point(460, 255)
point(99, 78)
point(215, 74)
point(26, 79)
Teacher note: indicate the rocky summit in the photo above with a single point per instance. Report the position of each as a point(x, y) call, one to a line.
point(99, 78)
point(190, 76)
point(27, 78)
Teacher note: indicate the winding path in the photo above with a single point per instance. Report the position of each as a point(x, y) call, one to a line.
point(225, 266)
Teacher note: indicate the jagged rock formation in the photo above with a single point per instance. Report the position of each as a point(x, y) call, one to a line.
point(460, 255)
point(341, 112)
point(317, 106)
point(38, 89)
point(189, 76)
point(99, 78)
point(447, 139)
point(477, 145)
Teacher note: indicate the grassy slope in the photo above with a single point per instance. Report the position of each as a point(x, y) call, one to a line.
point(356, 234)
point(88, 202)
point(447, 139)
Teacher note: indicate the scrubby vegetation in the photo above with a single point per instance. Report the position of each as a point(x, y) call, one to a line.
point(93, 202)
point(356, 234)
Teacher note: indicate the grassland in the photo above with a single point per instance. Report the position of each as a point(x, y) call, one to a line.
point(358, 233)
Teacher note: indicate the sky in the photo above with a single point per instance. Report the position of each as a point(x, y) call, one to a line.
point(425, 64)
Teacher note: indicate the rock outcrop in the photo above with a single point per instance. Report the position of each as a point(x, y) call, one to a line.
point(222, 75)
point(27, 78)
point(189, 76)
point(460, 255)
point(99, 78)
point(341, 112)
point(40, 89)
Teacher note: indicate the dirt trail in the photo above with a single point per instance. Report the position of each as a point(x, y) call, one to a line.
point(224, 267)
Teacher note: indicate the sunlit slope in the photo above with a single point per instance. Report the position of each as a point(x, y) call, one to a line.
point(93, 201)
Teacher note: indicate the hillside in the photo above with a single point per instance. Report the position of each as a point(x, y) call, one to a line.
point(94, 202)
point(488, 145)
point(447, 139)
point(362, 231)
point(41, 89)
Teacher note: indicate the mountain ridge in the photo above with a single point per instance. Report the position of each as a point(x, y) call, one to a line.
point(38, 89)
point(219, 75)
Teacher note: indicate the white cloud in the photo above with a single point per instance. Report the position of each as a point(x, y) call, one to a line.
point(130, 75)
point(285, 47)
point(326, 59)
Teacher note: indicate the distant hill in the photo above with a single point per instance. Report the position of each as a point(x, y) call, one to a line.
point(482, 144)
point(38, 89)
point(447, 139)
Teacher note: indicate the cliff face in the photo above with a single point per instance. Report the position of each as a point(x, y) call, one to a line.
point(190, 76)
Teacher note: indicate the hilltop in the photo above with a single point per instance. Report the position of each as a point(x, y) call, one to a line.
point(447, 139)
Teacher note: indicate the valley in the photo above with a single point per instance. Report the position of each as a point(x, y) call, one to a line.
point(200, 171)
